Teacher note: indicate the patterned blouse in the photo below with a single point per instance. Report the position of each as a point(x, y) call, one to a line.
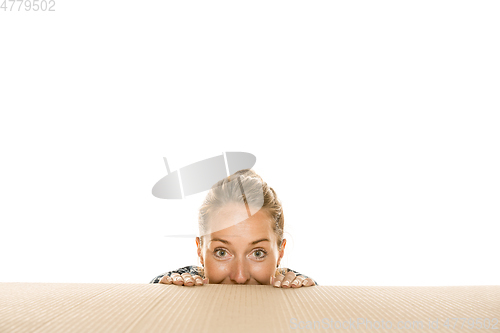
point(196, 270)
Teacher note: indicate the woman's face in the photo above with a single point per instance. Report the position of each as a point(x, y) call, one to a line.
point(244, 253)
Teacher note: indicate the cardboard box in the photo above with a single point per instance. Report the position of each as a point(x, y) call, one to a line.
point(67, 307)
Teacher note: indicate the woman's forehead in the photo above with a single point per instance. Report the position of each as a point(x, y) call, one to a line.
point(258, 226)
point(236, 217)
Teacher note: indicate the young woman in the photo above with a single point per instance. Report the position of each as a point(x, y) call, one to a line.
point(235, 245)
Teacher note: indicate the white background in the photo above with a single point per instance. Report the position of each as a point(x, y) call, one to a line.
point(377, 123)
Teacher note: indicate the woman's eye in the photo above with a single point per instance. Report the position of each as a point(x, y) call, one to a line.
point(221, 253)
point(260, 253)
point(218, 251)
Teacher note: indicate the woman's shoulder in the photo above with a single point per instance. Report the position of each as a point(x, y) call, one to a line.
point(193, 270)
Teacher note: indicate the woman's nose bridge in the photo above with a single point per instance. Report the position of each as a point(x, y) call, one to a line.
point(240, 268)
point(241, 263)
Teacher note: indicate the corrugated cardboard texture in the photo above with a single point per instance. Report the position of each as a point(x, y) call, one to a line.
point(65, 307)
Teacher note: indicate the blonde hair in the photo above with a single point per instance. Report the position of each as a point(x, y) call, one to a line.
point(255, 187)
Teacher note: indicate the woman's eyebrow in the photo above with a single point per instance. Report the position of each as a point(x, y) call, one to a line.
point(226, 242)
point(219, 240)
point(260, 240)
